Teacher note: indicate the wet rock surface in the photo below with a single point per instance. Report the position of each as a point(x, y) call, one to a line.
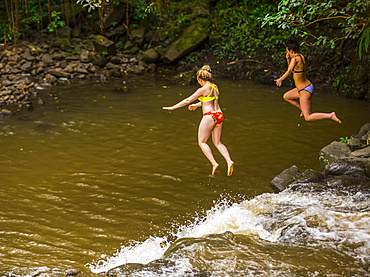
point(345, 165)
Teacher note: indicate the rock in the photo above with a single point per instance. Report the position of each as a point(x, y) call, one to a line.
point(364, 130)
point(120, 30)
point(137, 69)
point(115, 72)
point(81, 69)
point(26, 66)
point(191, 38)
point(39, 70)
point(150, 56)
point(98, 60)
point(64, 81)
point(5, 112)
point(50, 78)
point(134, 49)
point(332, 152)
point(128, 45)
point(355, 143)
point(26, 79)
point(64, 32)
point(117, 60)
point(47, 59)
point(112, 66)
point(58, 72)
point(72, 272)
point(6, 83)
point(76, 30)
point(34, 49)
point(281, 181)
point(63, 43)
point(361, 153)
point(59, 56)
point(84, 57)
point(349, 166)
point(27, 55)
point(104, 45)
point(137, 35)
point(310, 176)
point(73, 58)
point(366, 138)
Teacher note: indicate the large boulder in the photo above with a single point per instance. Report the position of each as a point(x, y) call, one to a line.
point(64, 32)
point(104, 45)
point(281, 181)
point(349, 166)
point(138, 35)
point(150, 56)
point(364, 131)
point(332, 152)
point(192, 37)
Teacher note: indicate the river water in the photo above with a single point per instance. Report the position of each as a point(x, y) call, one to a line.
point(94, 178)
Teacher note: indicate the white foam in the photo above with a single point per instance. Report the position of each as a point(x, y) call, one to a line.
point(315, 213)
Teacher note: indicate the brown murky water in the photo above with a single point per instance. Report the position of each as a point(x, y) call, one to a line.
point(96, 178)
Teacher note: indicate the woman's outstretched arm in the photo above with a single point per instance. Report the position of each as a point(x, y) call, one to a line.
point(186, 101)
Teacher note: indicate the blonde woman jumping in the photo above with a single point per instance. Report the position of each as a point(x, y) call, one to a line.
point(212, 120)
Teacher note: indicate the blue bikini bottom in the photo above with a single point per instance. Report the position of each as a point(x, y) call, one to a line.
point(309, 88)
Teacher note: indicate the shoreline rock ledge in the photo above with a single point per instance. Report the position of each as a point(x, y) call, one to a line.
point(345, 165)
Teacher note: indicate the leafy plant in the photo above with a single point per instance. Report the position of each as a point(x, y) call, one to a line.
point(344, 140)
point(91, 4)
point(56, 22)
point(364, 42)
point(300, 16)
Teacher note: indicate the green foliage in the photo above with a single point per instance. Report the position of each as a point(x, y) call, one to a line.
point(299, 17)
point(344, 140)
point(242, 35)
point(91, 4)
point(364, 42)
point(56, 22)
point(142, 8)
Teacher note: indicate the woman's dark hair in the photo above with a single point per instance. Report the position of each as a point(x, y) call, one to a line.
point(292, 44)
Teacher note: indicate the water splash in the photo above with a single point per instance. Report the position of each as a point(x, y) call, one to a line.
point(333, 220)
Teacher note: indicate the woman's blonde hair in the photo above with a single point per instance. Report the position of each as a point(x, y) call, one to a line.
point(204, 73)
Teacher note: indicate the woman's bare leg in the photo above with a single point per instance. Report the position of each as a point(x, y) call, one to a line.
point(305, 101)
point(291, 96)
point(216, 138)
point(205, 129)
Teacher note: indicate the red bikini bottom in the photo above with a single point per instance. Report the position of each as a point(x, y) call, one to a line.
point(218, 117)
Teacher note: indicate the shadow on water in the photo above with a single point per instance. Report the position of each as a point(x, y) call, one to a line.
point(101, 178)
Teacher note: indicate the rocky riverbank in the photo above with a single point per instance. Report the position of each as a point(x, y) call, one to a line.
point(26, 68)
point(345, 165)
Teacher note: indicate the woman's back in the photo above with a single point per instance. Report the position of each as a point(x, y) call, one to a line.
point(299, 72)
point(210, 98)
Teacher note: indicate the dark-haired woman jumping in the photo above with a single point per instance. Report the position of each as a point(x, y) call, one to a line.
point(301, 95)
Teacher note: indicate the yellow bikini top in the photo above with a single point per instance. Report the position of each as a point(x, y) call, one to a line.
point(208, 97)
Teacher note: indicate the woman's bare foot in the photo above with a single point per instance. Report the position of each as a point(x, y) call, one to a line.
point(230, 169)
point(334, 117)
point(214, 169)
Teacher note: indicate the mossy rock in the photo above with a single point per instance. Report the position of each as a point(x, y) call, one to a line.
point(190, 39)
point(63, 43)
point(34, 49)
